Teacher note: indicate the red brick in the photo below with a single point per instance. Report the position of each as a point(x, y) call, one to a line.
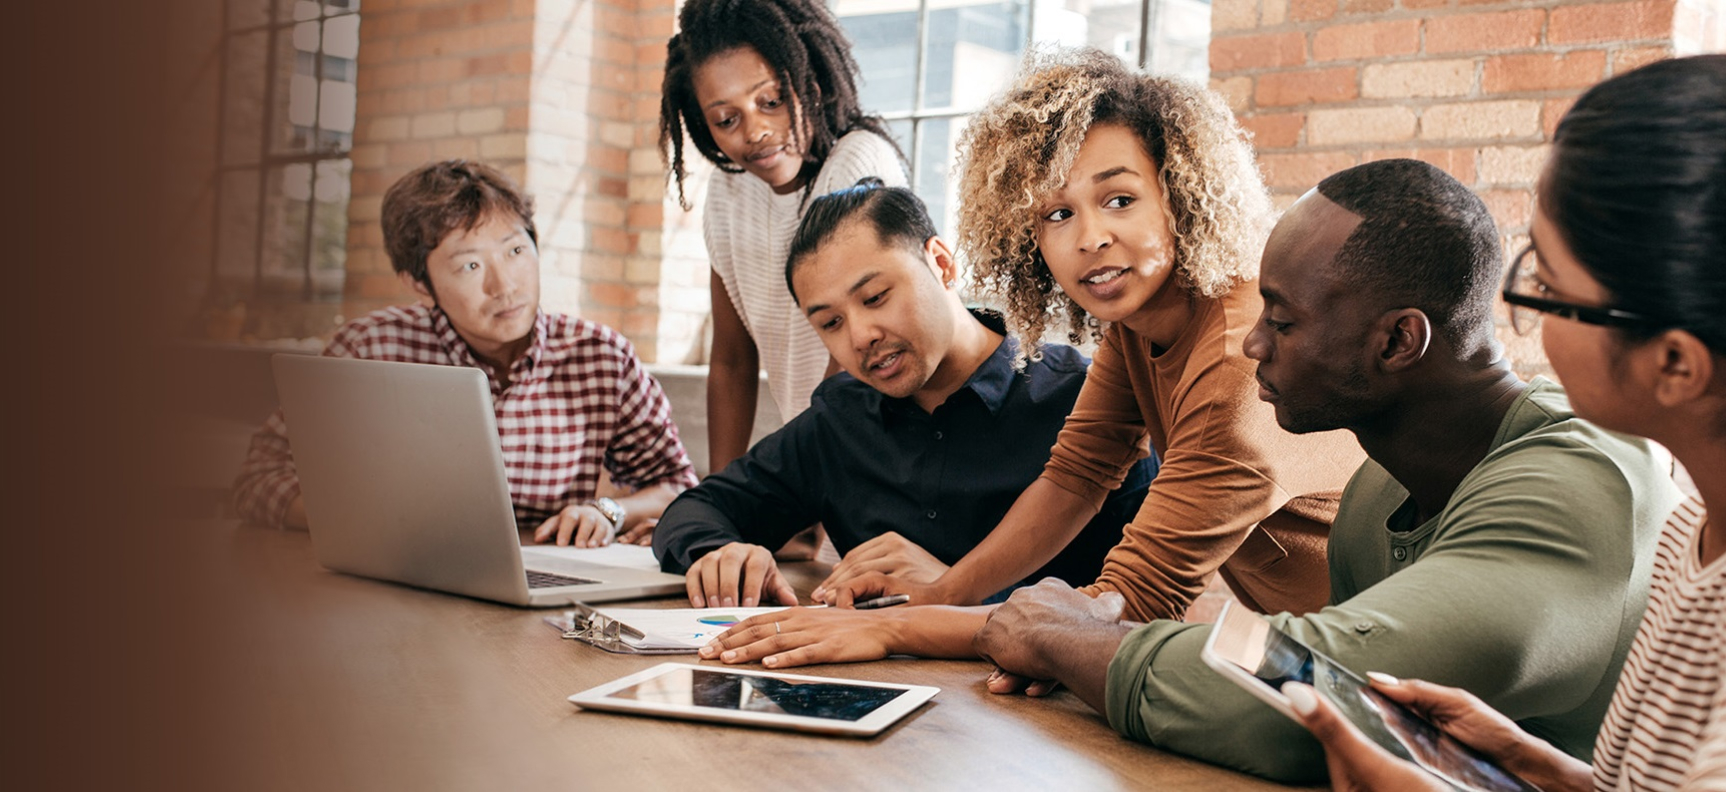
point(1631, 57)
point(411, 155)
point(1366, 6)
point(1505, 30)
point(1413, 4)
point(1276, 130)
point(1303, 170)
point(1459, 163)
point(1234, 53)
point(1509, 208)
point(1543, 72)
point(1307, 86)
point(1367, 40)
point(1311, 10)
point(612, 295)
point(1552, 111)
point(617, 188)
point(1648, 19)
point(645, 215)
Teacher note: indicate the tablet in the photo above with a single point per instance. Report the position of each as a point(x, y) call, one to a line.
point(1252, 652)
point(758, 698)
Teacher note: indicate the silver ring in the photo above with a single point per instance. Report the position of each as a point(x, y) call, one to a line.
point(776, 630)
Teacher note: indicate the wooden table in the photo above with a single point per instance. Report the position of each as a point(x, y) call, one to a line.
point(325, 681)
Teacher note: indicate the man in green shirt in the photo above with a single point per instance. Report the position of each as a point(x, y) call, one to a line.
point(1492, 541)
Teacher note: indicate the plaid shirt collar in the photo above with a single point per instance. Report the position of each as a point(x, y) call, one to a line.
point(525, 369)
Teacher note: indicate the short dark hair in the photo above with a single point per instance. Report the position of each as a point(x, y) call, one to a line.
point(1637, 189)
point(436, 200)
point(806, 48)
point(1424, 241)
point(896, 214)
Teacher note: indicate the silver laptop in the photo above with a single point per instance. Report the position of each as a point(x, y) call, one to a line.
point(403, 479)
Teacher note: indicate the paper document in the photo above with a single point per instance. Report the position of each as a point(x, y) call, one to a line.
point(689, 628)
point(614, 554)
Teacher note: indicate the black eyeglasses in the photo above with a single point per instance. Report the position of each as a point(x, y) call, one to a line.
point(1521, 286)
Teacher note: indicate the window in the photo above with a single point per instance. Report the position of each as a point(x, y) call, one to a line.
point(281, 192)
point(927, 64)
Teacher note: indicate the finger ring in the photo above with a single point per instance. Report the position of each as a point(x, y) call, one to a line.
point(776, 629)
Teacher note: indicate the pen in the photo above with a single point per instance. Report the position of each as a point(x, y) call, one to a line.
point(883, 602)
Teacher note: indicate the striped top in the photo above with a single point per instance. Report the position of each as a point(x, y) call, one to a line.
point(1666, 728)
point(748, 229)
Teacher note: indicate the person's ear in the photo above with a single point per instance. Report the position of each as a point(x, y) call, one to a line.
point(422, 295)
point(940, 259)
point(1684, 370)
point(1400, 339)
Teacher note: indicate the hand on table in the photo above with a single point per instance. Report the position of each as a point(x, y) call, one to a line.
point(804, 636)
point(582, 525)
point(888, 554)
point(641, 534)
point(737, 575)
point(1023, 636)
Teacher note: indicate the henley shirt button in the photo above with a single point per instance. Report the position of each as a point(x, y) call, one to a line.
point(931, 514)
point(1363, 627)
point(1399, 554)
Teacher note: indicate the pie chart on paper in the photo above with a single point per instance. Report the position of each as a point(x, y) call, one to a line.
point(719, 620)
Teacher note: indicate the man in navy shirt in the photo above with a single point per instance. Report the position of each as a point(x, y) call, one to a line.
point(913, 454)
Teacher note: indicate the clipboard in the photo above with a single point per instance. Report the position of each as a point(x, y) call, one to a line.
point(649, 630)
point(591, 627)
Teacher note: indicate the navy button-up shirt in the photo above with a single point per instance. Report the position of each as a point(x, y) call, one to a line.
point(863, 464)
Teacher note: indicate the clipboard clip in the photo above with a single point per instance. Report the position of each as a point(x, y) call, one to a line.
point(591, 627)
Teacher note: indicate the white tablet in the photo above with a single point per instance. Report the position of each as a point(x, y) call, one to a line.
point(758, 698)
point(1252, 652)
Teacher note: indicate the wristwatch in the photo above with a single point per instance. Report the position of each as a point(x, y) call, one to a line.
point(613, 511)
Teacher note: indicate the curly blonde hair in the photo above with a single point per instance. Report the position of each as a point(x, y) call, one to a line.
point(1018, 150)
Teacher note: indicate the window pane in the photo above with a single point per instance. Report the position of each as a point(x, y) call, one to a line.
point(935, 183)
point(330, 228)
point(243, 98)
point(974, 49)
point(342, 37)
point(901, 131)
point(236, 233)
point(295, 103)
point(287, 202)
point(1109, 25)
point(884, 41)
point(1181, 43)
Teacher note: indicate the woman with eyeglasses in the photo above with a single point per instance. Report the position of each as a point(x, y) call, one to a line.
point(1626, 278)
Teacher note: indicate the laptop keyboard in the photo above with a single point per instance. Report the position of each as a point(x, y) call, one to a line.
point(538, 580)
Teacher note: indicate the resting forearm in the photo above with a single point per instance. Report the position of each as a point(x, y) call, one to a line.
point(941, 631)
point(1550, 769)
point(1042, 521)
point(1080, 655)
point(646, 503)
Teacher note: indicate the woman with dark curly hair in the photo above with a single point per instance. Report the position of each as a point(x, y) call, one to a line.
point(766, 90)
point(1129, 204)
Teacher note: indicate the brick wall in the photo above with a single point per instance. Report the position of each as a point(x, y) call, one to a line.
point(560, 94)
point(1472, 86)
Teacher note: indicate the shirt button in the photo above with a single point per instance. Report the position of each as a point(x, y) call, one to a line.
point(1363, 627)
point(1399, 554)
point(939, 435)
point(931, 514)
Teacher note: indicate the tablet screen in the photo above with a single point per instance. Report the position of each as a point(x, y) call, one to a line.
point(722, 690)
point(1275, 657)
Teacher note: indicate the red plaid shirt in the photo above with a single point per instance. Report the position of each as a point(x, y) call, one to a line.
point(579, 398)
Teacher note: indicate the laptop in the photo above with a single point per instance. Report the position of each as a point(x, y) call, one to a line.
point(403, 479)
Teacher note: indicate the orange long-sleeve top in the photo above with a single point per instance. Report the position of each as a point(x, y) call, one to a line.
point(1234, 493)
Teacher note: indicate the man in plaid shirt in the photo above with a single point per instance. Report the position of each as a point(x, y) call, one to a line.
point(569, 394)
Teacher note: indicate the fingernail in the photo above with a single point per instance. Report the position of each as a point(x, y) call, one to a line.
point(771, 661)
point(706, 651)
point(748, 602)
point(1300, 698)
point(698, 602)
point(729, 655)
point(728, 602)
point(1383, 679)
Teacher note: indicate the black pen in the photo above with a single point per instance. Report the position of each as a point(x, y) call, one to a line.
point(883, 602)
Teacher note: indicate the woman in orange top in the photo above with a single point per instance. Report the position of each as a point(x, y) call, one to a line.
point(1131, 205)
